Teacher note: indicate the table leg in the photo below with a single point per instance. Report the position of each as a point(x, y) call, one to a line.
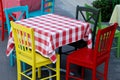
point(62, 70)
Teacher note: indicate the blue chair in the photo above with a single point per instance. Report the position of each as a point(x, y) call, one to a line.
point(23, 13)
point(9, 12)
point(47, 6)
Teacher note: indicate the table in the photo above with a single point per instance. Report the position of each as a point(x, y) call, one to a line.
point(52, 31)
point(115, 15)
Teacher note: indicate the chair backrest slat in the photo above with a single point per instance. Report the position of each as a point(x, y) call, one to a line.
point(13, 17)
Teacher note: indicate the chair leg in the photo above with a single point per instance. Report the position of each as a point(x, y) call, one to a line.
point(75, 48)
point(118, 47)
point(23, 66)
point(3, 31)
point(18, 69)
point(33, 73)
point(67, 69)
point(106, 70)
point(82, 72)
point(39, 72)
point(94, 74)
point(58, 68)
point(11, 59)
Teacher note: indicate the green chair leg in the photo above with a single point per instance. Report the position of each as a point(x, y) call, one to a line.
point(118, 47)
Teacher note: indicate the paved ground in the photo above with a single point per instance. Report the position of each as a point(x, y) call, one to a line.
point(70, 5)
point(9, 73)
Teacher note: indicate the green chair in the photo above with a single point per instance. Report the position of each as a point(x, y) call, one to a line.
point(101, 26)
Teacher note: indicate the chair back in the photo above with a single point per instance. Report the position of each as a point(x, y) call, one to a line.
point(104, 39)
point(24, 41)
point(99, 24)
point(47, 6)
point(93, 18)
point(23, 13)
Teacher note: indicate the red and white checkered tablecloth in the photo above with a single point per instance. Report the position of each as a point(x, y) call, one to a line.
point(52, 31)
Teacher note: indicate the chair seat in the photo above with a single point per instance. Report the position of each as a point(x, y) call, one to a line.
point(39, 60)
point(82, 56)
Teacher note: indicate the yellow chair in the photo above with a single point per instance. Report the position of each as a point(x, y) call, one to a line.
point(25, 52)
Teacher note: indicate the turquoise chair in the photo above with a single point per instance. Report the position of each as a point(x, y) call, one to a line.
point(47, 6)
point(23, 13)
point(101, 26)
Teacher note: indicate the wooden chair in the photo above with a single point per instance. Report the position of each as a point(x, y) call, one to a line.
point(92, 58)
point(93, 19)
point(47, 6)
point(3, 21)
point(25, 52)
point(9, 13)
point(102, 26)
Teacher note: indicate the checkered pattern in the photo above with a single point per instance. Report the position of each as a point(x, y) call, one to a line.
point(52, 31)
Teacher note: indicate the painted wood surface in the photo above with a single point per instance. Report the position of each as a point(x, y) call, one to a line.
point(70, 5)
point(32, 4)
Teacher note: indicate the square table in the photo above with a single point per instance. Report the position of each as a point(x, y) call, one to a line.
point(52, 31)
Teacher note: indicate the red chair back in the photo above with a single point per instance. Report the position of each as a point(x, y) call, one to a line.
point(104, 41)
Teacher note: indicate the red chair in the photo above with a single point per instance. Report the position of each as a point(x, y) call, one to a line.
point(3, 20)
point(92, 58)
